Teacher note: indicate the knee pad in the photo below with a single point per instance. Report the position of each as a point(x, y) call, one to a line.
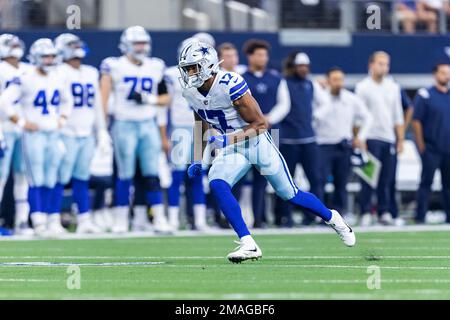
point(152, 184)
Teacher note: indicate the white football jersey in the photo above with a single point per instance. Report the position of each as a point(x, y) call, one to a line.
point(181, 114)
point(217, 107)
point(87, 111)
point(43, 98)
point(126, 77)
point(10, 74)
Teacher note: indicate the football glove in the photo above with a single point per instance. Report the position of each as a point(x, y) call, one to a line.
point(195, 169)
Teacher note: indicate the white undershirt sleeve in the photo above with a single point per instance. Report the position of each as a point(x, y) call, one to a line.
point(283, 106)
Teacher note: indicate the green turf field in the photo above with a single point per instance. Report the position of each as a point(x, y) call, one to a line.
point(308, 266)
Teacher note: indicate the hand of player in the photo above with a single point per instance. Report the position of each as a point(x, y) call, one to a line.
point(104, 142)
point(143, 98)
point(218, 142)
point(30, 126)
point(400, 146)
point(195, 169)
point(421, 147)
point(359, 144)
point(136, 97)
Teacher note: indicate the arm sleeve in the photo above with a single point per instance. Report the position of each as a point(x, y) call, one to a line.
point(363, 117)
point(162, 87)
point(283, 106)
point(8, 97)
point(420, 102)
point(162, 116)
point(320, 97)
point(106, 66)
point(237, 86)
point(398, 111)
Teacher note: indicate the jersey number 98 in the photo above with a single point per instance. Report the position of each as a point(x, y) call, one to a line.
point(83, 95)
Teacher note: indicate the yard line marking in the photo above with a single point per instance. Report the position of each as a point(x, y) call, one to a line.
point(62, 264)
point(310, 266)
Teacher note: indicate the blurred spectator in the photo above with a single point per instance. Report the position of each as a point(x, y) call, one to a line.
point(271, 92)
point(408, 110)
point(382, 96)
point(411, 12)
point(297, 138)
point(229, 54)
point(406, 14)
point(334, 124)
point(432, 129)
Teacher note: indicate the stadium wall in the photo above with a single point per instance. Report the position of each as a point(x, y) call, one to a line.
point(412, 55)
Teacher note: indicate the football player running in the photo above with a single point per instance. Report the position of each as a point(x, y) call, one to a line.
point(223, 101)
point(45, 108)
point(11, 68)
point(87, 118)
point(137, 83)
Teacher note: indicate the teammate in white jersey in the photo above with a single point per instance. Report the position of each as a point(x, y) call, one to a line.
point(85, 124)
point(45, 106)
point(11, 68)
point(222, 100)
point(138, 88)
point(181, 133)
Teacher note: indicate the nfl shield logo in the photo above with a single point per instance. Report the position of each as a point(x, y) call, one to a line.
point(205, 102)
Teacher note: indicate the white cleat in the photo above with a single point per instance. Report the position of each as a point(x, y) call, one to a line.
point(342, 228)
point(366, 220)
point(121, 220)
point(87, 225)
point(141, 226)
point(23, 230)
point(160, 223)
point(245, 251)
point(386, 219)
point(39, 221)
point(54, 227)
point(162, 226)
point(41, 231)
point(104, 219)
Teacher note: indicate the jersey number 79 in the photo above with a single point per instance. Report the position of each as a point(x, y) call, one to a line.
point(146, 85)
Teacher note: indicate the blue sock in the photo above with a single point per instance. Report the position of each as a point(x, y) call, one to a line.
point(34, 199)
point(309, 201)
point(173, 193)
point(46, 194)
point(80, 195)
point(229, 206)
point(56, 197)
point(122, 193)
point(198, 194)
point(154, 197)
point(154, 193)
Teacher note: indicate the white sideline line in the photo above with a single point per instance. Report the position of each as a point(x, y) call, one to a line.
point(29, 280)
point(223, 257)
point(221, 232)
point(304, 281)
